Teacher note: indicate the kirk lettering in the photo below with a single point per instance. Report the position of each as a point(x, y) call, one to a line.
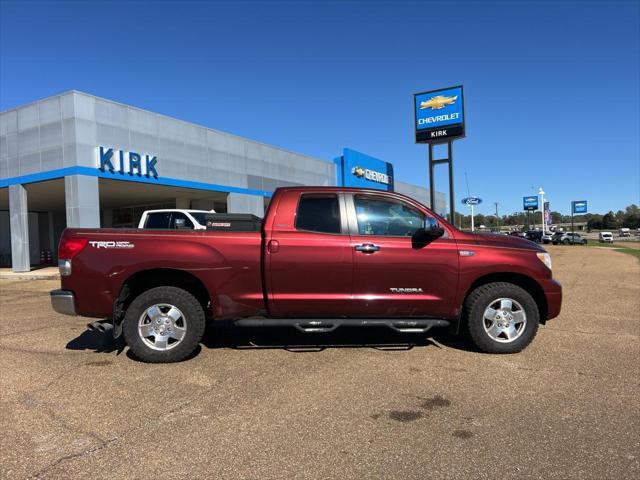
point(131, 163)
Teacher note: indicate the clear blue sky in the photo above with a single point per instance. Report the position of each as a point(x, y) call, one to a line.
point(552, 88)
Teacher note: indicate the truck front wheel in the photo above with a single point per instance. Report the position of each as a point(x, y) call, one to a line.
point(500, 318)
point(164, 324)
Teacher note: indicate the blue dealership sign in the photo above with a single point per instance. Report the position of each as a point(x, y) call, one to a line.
point(530, 203)
point(356, 169)
point(471, 201)
point(579, 206)
point(439, 114)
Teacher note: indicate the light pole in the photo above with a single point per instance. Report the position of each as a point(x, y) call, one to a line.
point(541, 193)
point(497, 217)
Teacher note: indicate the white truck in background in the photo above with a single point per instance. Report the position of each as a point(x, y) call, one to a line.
point(175, 218)
point(605, 237)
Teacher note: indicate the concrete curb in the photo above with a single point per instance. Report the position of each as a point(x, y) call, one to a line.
point(30, 275)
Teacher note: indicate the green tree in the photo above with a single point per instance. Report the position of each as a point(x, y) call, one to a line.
point(609, 221)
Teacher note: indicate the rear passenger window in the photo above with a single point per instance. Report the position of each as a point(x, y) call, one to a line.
point(319, 213)
point(158, 220)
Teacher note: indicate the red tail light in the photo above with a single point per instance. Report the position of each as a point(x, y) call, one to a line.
point(70, 247)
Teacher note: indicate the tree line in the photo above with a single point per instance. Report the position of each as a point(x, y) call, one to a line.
point(629, 218)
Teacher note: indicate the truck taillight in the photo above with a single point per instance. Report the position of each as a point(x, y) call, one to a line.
point(67, 249)
point(70, 247)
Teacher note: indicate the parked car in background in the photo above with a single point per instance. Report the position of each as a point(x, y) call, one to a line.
point(624, 232)
point(175, 219)
point(555, 238)
point(546, 238)
point(605, 237)
point(572, 238)
point(534, 235)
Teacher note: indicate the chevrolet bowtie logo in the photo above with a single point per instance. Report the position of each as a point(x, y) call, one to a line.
point(358, 171)
point(438, 102)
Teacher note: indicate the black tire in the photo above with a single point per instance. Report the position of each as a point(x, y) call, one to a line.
point(186, 303)
point(565, 242)
point(478, 300)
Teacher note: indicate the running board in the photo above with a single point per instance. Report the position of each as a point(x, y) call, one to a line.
point(318, 325)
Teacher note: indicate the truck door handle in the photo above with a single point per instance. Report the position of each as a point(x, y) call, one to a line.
point(367, 248)
point(273, 246)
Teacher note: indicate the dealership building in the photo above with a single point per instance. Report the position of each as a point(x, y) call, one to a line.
point(76, 160)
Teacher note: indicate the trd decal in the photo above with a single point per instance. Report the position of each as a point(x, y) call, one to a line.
point(110, 244)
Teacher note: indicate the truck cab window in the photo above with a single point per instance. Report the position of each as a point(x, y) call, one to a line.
point(182, 221)
point(318, 213)
point(381, 216)
point(158, 220)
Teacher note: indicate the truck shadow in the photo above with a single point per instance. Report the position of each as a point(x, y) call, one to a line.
point(286, 338)
point(98, 342)
point(290, 339)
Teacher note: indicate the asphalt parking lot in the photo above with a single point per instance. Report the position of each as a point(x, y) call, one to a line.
point(363, 404)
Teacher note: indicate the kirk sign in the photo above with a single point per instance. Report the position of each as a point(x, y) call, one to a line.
point(127, 162)
point(439, 115)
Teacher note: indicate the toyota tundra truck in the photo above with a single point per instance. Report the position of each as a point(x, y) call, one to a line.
point(323, 257)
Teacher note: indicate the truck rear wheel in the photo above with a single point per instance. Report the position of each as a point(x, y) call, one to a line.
point(501, 318)
point(164, 324)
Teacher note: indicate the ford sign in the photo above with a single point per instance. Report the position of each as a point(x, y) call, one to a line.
point(471, 201)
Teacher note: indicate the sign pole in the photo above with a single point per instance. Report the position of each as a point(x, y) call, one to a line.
point(452, 206)
point(572, 230)
point(541, 193)
point(432, 183)
point(432, 189)
point(472, 224)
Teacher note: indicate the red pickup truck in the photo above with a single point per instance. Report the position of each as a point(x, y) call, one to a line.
point(321, 258)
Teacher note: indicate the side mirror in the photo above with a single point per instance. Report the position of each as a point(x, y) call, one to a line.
point(423, 236)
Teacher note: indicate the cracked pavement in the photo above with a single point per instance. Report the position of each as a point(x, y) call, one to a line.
point(350, 404)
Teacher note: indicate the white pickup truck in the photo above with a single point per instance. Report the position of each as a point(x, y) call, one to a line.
point(175, 218)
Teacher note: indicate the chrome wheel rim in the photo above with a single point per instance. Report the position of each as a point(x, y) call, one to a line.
point(504, 320)
point(162, 326)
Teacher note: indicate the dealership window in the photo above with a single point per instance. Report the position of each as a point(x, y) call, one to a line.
point(319, 213)
point(381, 216)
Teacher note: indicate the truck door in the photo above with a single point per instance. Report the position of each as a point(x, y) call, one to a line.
point(393, 277)
point(309, 256)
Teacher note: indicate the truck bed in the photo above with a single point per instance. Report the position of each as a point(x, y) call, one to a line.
point(225, 261)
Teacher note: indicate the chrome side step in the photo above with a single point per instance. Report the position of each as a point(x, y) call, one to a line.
point(323, 325)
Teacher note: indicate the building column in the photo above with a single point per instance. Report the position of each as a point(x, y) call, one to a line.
point(82, 199)
point(242, 203)
point(19, 226)
point(183, 203)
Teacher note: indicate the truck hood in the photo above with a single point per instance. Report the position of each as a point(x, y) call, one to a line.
point(505, 241)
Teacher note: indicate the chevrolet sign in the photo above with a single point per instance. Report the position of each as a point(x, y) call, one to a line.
point(356, 169)
point(371, 175)
point(439, 115)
